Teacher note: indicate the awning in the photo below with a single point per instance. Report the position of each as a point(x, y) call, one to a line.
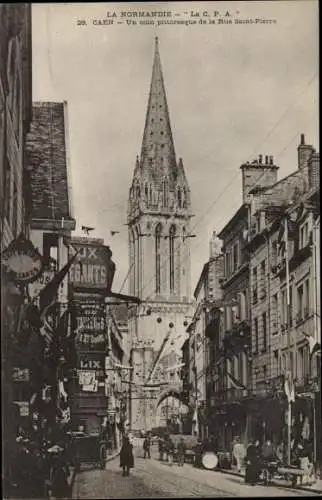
point(123, 298)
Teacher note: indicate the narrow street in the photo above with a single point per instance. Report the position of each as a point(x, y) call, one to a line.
point(153, 479)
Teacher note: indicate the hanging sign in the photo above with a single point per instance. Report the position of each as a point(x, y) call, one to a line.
point(22, 260)
point(20, 374)
point(36, 286)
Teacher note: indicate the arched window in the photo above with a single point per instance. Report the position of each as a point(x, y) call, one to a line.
point(172, 257)
point(179, 198)
point(184, 196)
point(150, 193)
point(146, 190)
point(138, 192)
point(158, 258)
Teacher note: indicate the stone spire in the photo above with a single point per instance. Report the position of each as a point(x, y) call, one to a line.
point(157, 145)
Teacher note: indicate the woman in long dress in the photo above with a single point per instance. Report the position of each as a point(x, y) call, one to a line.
point(126, 456)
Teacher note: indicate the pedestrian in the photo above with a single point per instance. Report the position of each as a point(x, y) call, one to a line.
point(280, 452)
point(161, 449)
point(170, 450)
point(181, 449)
point(239, 453)
point(146, 446)
point(268, 453)
point(253, 466)
point(126, 456)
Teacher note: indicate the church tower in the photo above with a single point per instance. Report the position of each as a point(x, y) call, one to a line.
point(159, 213)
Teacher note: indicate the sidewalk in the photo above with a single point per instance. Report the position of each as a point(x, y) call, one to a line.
point(73, 470)
point(314, 488)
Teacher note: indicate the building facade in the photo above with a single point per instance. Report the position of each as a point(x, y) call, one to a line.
point(159, 215)
point(15, 117)
point(284, 304)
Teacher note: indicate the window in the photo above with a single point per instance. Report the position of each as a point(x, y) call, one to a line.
point(304, 235)
point(172, 257)
point(255, 336)
point(50, 249)
point(300, 303)
point(283, 310)
point(179, 198)
point(263, 278)
point(150, 194)
point(274, 314)
point(291, 307)
point(235, 256)
point(255, 285)
point(7, 188)
point(274, 253)
point(307, 299)
point(146, 190)
point(158, 258)
point(264, 319)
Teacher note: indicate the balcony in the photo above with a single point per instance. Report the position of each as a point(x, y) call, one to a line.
point(239, 335)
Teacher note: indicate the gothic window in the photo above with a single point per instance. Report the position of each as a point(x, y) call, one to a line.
point(138, 192)
point(150, 193)
point(158, 258)
point(146, 190)
point(184, 200)
point(179, 198)
point(172, 257)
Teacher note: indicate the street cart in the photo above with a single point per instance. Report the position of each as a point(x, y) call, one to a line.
point(89, 449)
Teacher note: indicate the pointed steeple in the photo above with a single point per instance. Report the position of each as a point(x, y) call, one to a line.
point(157, 144)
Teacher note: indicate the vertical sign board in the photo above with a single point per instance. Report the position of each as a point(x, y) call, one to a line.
point(90, 322)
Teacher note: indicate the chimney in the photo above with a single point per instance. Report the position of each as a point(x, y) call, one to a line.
point(304, 152)
point(258, 175)
point(214, 246)
point(314, 171)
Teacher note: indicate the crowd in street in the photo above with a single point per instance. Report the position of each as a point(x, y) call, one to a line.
point(255, 460)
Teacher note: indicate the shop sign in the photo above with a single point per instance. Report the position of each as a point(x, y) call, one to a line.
point(91, 325)
point(35, 288)
point(93, 267)
point(22, 260)
point(91, 364)
point(20, 374)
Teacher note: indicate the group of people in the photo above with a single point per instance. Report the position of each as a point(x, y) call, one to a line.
point(257, 458)
point(167, 450)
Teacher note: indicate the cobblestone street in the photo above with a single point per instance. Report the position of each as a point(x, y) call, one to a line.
point(153, 479)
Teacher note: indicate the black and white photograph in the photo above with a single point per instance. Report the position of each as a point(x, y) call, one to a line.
point(160, 249)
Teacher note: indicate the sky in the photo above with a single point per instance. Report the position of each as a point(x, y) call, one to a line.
point(234, 91)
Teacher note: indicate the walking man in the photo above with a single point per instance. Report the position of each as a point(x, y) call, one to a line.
point(146, 446)
point(181, 448)
point(239, 453)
